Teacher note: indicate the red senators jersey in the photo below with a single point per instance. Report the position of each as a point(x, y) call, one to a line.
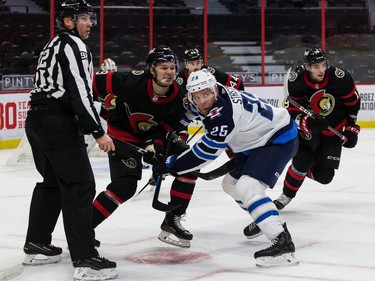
point(132, 109)
point(335, 98)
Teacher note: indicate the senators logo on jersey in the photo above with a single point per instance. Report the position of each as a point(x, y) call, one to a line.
point(141, 122)
point(322, 103)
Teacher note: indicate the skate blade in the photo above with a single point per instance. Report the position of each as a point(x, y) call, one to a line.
point(166, 238)
point(40, 259)
point(287, 259)
point(88, 274)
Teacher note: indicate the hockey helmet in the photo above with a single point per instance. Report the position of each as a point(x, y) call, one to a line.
point(192, 54)
point(161, 54)
point(72, 8)
point(199, 80)
point(314, 55)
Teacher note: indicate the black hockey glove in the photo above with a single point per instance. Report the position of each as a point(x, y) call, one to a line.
point(311, 125)
point(162, 167)
point(351, 132)
point(154, 151)
point(177, 145)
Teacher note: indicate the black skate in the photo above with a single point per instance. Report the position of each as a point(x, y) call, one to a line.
point(280, 253)
point(95, 268)
point(172, 225)
point(282, 201)
point(38, 254)
point(252, 230)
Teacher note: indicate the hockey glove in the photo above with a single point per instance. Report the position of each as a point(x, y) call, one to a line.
point(154, 151)
point(351, 132)
point(311, 125)
point(177, 145)
point(162, 167)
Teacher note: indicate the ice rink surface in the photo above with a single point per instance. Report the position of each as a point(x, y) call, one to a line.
point(333, 228)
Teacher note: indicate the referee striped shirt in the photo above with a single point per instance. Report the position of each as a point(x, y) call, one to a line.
point(64, 74)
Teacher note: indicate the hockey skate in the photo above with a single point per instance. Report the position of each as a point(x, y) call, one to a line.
point(172, 226)
point(39, 254)
point(95, 268)
point(252, 230)
point(282, 201)
point(280, 253)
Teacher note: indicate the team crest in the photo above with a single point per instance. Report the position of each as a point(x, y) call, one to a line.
point(212, 70)
point(293, 77)
point(339, 73)
point(322, 103)
point(305, 136)
point(214, 112)
point(179, 81)
point(130, 163)
point(137, 72)
point(142, 122)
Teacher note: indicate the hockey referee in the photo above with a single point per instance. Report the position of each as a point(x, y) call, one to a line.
point(61, 113)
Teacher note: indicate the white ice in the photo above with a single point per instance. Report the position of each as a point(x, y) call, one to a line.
point(333, 228)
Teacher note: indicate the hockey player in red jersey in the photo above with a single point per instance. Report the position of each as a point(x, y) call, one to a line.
point(194, 62)
point(142, 107)
point(331, 94)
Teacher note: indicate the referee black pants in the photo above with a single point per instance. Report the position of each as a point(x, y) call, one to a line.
point(68, 181)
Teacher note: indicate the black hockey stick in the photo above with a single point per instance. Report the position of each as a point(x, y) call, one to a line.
point(156, 204)
point(152, 179)
point(218, 172)
point(305, 110)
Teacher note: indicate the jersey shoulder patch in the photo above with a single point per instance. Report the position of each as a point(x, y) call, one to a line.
point(214, 112)
point(137, 72)
point(211, 69)
point(179, 81)
point(339, 73)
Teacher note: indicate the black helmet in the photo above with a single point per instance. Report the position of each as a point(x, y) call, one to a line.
point(314, 55)
point(161, 54)
point(72, 8)
point(192, 54)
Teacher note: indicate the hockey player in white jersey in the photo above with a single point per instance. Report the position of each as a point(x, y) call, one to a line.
point(263, 139)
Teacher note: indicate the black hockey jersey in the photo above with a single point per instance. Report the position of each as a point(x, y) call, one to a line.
point(132, 109)
point(335, 98)
point(221, 77)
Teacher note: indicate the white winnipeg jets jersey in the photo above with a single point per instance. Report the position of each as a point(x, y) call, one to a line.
point(239, 120)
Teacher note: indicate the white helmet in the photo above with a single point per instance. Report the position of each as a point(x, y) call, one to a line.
point(200, 80)
point(108, 65)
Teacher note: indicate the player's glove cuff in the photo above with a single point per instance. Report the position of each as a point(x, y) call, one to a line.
point(351, 133)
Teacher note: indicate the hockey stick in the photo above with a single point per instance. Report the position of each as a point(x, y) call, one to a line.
point(195, 133)
point(305, 110)
point(218, 172)
point(152, 179)
point(156, 204)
